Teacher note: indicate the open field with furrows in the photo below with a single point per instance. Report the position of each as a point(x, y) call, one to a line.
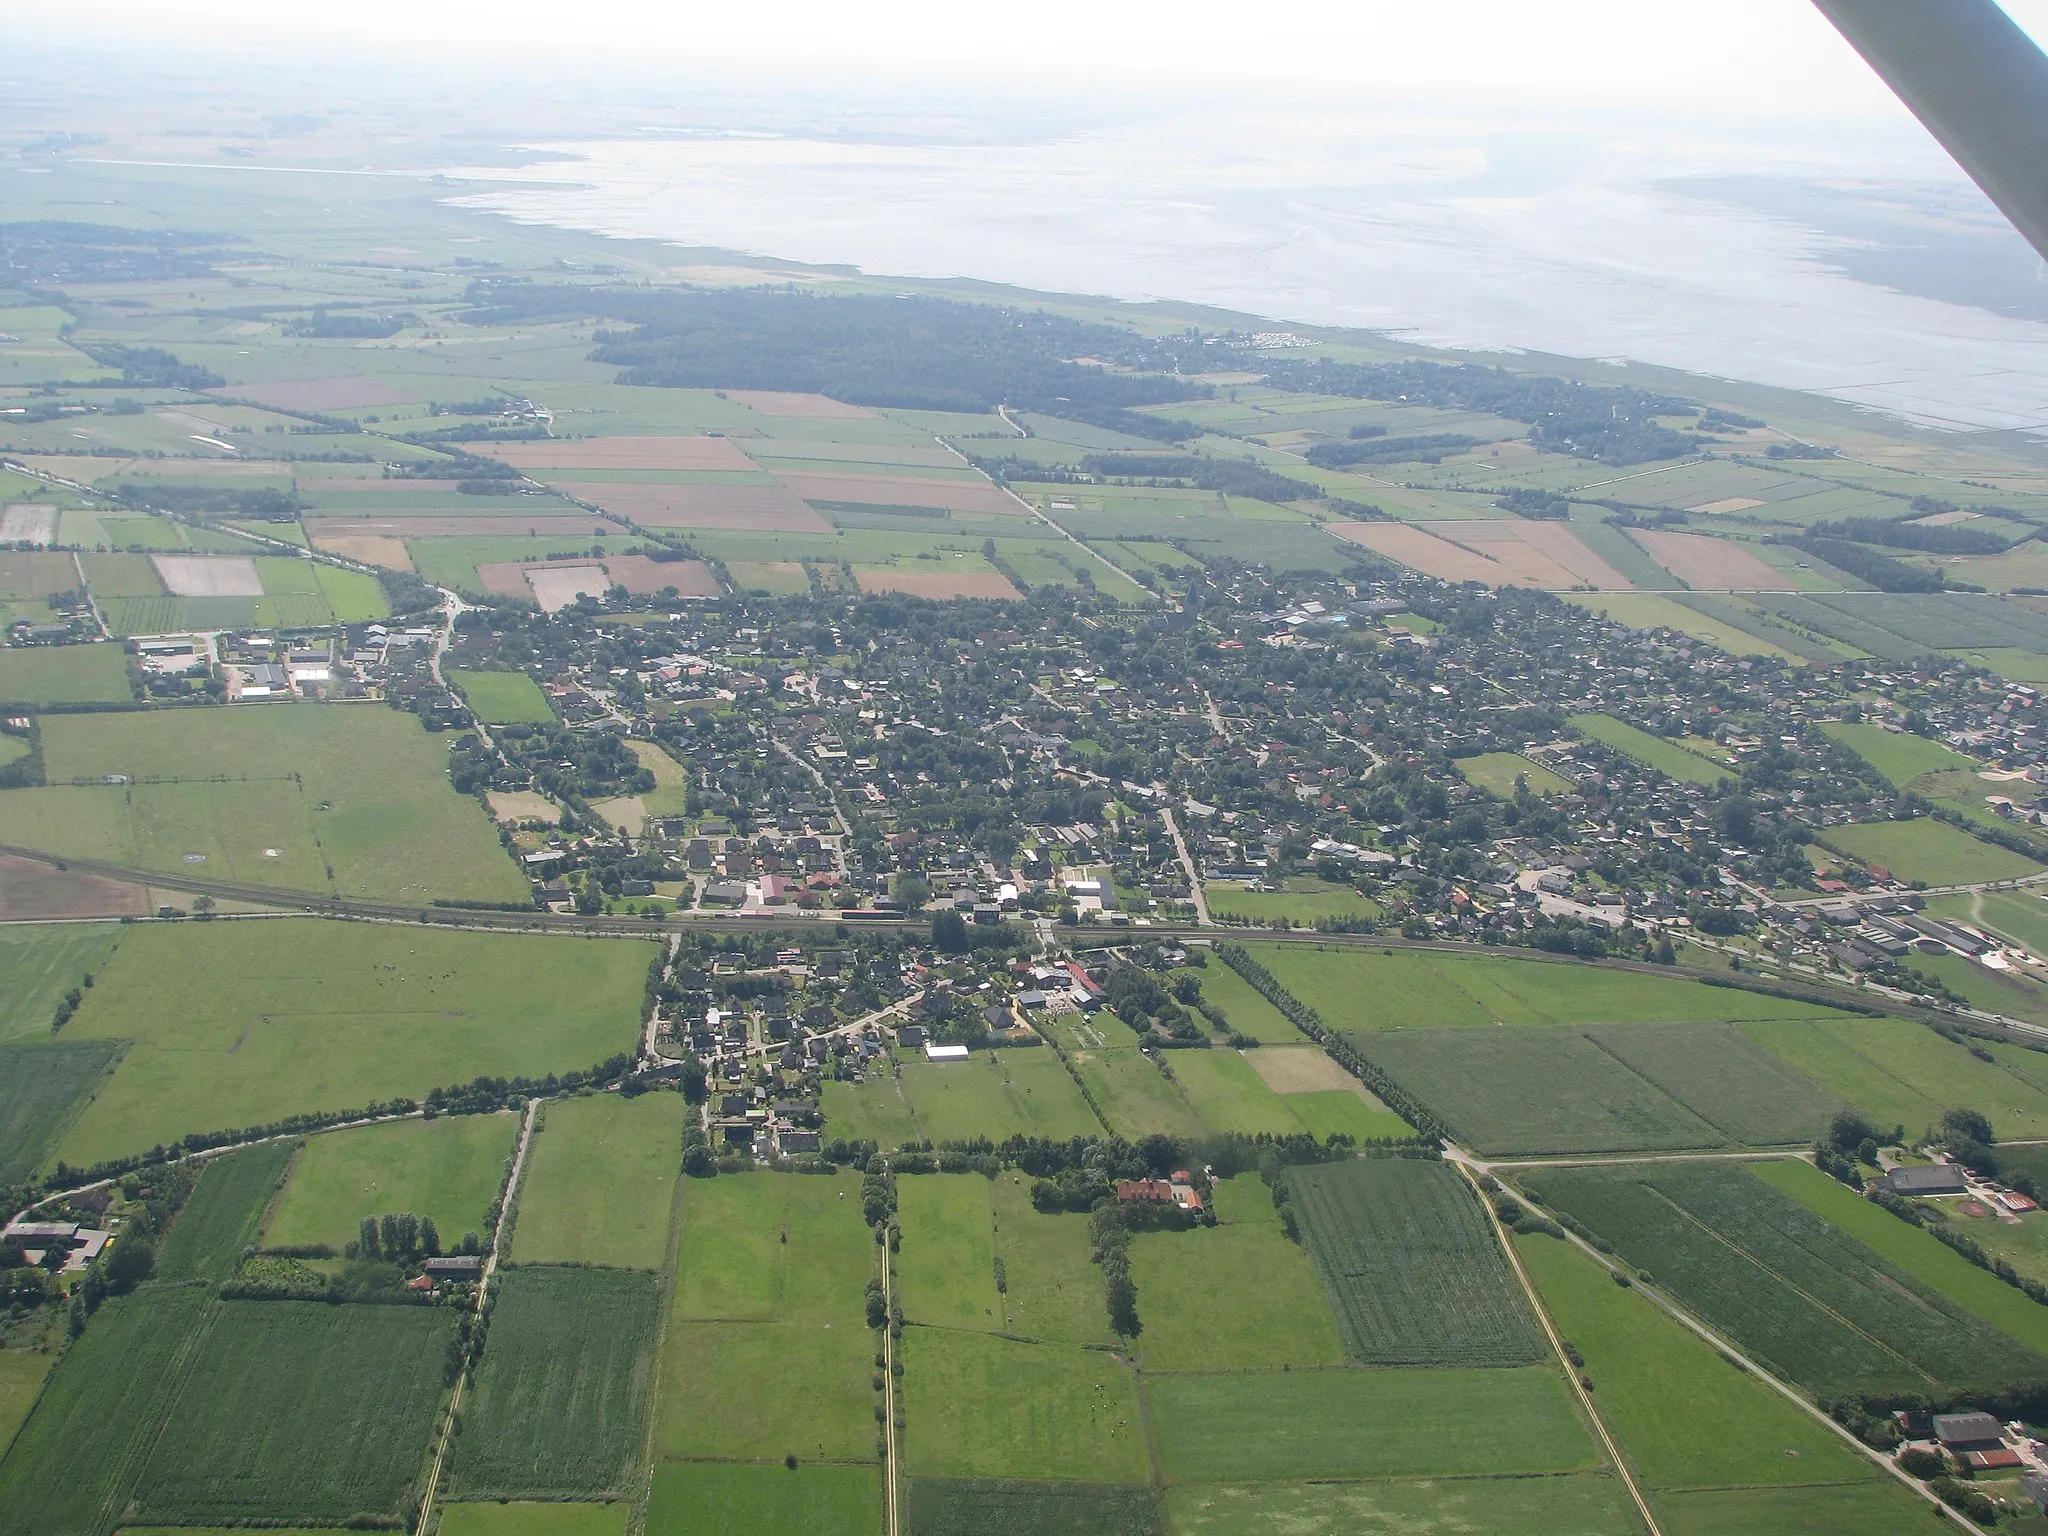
point(1293, 1426)
point(223, 1214)
point(603, 1178)
point(724, 1499)
point(538, 1518)
point(329, 1015)
point(1715, 565)
point(1667, 757)
point(1406, 989)
point(448, 1169)
point(1236, 1296)
point(306, 797)
point(561, 1396)
point(1499, 772)
point(1786, 1285)
point(1575, 1504)
point(502, 698)
point(980, 1406)
point(1411, 1266)
point(42, 1082)
point(769, 1292)
point(1504, 552)
point(967, 1506)
point(64, 674)
point(1928, 851)
point(298, 1410)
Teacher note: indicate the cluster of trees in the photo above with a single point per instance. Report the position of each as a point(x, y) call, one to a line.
point(152, 367)
point(1525, 502)
point(1902, 533)
point(217, 500)
point(52, 252)
point(1232, 477)
point(1866, 564)
point(400, 1237)
point(327, 325)
point(1424, 448)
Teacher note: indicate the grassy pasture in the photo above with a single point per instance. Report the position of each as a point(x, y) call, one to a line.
point(963, 1506)
point(549, 1518)
point(980, 1406)
point(1578, 1504)
point(329, 1015)
point(64, 674)
point(773, 1245)
point(1837, 1509)
point(947, 1267)
point(38, 965)
point(1412, 1269)
point(356, 801)
point(1931, 851)
point(1799, 1293)
point(562, 1392)
point(874, 1110)
point(603, 1177)
point(1496, 772)
point(1248, 1012)
point(1900, 758)
point(1134, 1096)
point(1667, 757)
point(23, 1370)
point(712, 1499)
point(1236, 1296)
point(1054, 1290)
point(1230, 1096)
point(41, 1084)
point(503, 698)
point(1303, 898)
point(960, 1100)
point(1291, 1426)
point(298, 1410)
point(448, 1169)
point(223, 1214)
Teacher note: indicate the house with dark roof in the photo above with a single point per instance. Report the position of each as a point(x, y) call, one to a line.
point(1933, 1179)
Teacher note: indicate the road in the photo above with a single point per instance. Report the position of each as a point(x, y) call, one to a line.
point(1187, 865)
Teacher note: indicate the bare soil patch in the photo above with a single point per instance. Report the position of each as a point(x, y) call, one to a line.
point(939, 585)
point(767, 507)
point(344, 394)
point(1546, 555)
point(1298, 1069)
point(902, 491)
point(522, 805)
point(780, 402)
point(37, 574)
point(555, 587)
point(368, 548)
point(31, 889)
point(208, 575)
point(505, 578)
point(1727, 504)
point(1422, 551)
point(28, 522)
point(1711, 565)
point(623, 453)
point(644, 576)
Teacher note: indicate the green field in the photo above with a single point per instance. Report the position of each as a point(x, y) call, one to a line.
point(1582, 1504)
point(1852, 1509)
point(997, 1094)
point(872, 1110)
point(946, 1271)
point(23, 1369)
point(1133, 1095)
point(534, 1519)
point(352, 800)
point(561, 1396)
point(1230, 1096)
point(1898, 757)
point(980, 1406)
point(712, 1499)
point(1249, 1013)
point(1411, 989)
point(503, 698)
point(1791, 1288)
point(448, 1169)
point(223, 1214)
point(64, 674)
point(1410, 1263)
point(42, 1082)
point(1296, 1425)
point(1303, 899)
point(1053, 1289)
point(1926, 851)
point(964, 1506)
point(38, 965)
point(237, 1026)
point(1496, 773)
point(298, 1410)
point(1666, 756)
point(1236, 1296)
point(603, 1177)
point(1748, 1095)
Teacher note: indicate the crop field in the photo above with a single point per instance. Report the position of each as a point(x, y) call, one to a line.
point(1236, 1296)
point(63, 674)
point(1576, 1504)
point(298, 1410)
point(41, 1084)
point(1836, 1509)
point(1667, 757)
point(1497, 772)
point(548, 1518)
point(1788, 1286)
point(714, 1499)
point(503, 698)
point(1410, 1264)
point(1709, 564)
point(1276, 1426)
point(562, 1392)
point(603, 1177)
point(1053, 1289)
point(447, 1168)
point(330, 1015)
point(980, 1406)
point(1412, 990)
point(310, 797)
point(963, 1506)
point(68, 1468)
point(1931, 851)
point(1750, 1096)
point(223, 1213)
point(1645, 610)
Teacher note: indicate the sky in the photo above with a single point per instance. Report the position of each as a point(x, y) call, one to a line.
point(1777, 57)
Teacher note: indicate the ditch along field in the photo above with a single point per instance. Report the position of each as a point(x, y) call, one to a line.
point(1786, 1284)
point(328, 1015)
point(353, 800)
point(448, 1169)
point(603, 1177)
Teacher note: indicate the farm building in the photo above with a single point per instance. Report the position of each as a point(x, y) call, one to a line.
point(1968, 1432)
point(945, 1052)
point(1935, 1179)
